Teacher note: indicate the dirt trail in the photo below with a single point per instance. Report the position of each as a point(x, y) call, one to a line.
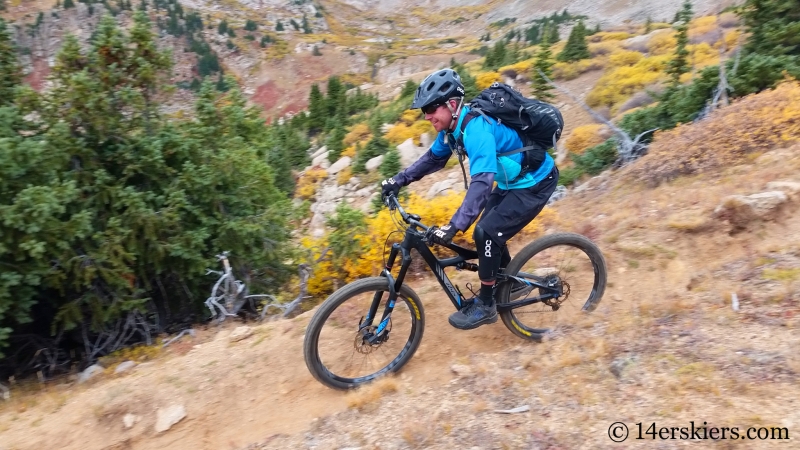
point(234, 393)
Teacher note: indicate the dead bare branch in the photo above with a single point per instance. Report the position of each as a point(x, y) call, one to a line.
point(628, 149)
point(188, 331)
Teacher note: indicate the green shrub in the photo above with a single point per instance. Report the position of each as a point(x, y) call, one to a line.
point(596, 159)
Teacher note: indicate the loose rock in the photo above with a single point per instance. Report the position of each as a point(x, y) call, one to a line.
point(90, 373)
point(125, 366)
point(169, 416)
point(240, 333)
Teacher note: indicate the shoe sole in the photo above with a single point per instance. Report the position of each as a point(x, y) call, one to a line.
point(485, 321)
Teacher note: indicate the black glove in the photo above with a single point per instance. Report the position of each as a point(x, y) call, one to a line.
point(442, 235)
point(389, 186)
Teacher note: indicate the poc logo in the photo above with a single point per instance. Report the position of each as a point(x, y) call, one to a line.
point(488, 248)
point(460, 90)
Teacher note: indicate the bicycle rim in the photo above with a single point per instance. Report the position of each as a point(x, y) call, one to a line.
point(337, 353)
point(572, 264)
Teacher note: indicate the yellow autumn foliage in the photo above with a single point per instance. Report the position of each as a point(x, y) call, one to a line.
point(410, 116)
point(619, 83)
point(349, 151)
point(604, 48)
point(611, 36)
point(753, 124)
point(572, 70)
point(344, 176)
point(732, 39)
point(401, 132)
point(369, 261)
point(663, 43)
point(624, 58)
point(307, 183)
point(358, 132)
point(520, 67)
point(583, 137)
point(702, 55)
point(484, 80)
point(702, 25)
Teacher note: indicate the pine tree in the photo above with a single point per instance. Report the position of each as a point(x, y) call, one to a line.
point(773, 25)
point(10, 71)
point(391, 163)
point(250, 25)
point(576, 48)
point(553, 35)
point(69, 4)
point(335, 141)
point(279, 26)
point(542, 90)
point(648, 25)
point(317, 109)
point(223, 27)
point(496, 56)
point(679, 63)
point(306, 26)
point(336, 96)
point(532, 34)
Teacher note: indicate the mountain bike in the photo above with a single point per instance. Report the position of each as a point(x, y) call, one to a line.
point(373, 326)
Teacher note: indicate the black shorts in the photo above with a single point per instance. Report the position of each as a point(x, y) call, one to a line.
point(509, 211)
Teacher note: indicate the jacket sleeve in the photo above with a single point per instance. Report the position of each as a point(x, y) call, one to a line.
point(477, 195)
point(426, 164)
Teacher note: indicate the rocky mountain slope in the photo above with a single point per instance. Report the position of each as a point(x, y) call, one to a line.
point(371, 41)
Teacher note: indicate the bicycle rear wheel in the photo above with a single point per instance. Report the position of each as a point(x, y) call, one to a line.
point(569, 262)
point(336, 351)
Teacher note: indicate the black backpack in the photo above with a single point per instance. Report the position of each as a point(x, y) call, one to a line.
point(538, 124)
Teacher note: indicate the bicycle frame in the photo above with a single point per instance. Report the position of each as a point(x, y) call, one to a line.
point(416, 240)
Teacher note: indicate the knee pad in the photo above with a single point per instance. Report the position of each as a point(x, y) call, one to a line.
point(489, 254)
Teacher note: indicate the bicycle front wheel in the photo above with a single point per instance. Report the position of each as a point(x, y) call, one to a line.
point(342, 354)
point(572, 264)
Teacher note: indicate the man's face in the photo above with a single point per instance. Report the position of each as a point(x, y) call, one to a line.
point(439, 115)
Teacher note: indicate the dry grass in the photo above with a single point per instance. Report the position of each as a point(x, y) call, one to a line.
point(367, 397)
point(726, 138)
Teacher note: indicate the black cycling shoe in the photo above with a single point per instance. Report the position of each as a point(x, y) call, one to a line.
point(473, 316)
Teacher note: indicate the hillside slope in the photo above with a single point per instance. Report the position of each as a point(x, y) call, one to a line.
point(664, 346)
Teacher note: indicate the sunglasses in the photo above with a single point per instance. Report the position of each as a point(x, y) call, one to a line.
point(430, 109)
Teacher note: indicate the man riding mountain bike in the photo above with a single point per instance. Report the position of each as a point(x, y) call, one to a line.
point(525, 181)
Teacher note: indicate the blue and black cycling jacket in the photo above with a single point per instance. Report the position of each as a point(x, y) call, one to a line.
point(483, 139)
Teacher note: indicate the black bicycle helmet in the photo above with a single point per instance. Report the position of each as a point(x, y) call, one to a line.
point(438, 87)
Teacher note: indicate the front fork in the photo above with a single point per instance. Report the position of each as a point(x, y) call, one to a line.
point(393, 285)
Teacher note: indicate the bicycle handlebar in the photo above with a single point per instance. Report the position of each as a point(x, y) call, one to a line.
point(412, 219)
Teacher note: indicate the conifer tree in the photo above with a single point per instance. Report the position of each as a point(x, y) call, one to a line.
point(10, 71)
point(306, 26)
point(773, 25)
point(576, 48)
point(542, 90)
point(391, 163)
point(496, 57)
point(532, 34)
point(335, 141)
point(336, 96)
point(69, 4)
point(317, 109)
point(553, 35)
point(648, 25)
point(679, 63)
point(279, 26)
